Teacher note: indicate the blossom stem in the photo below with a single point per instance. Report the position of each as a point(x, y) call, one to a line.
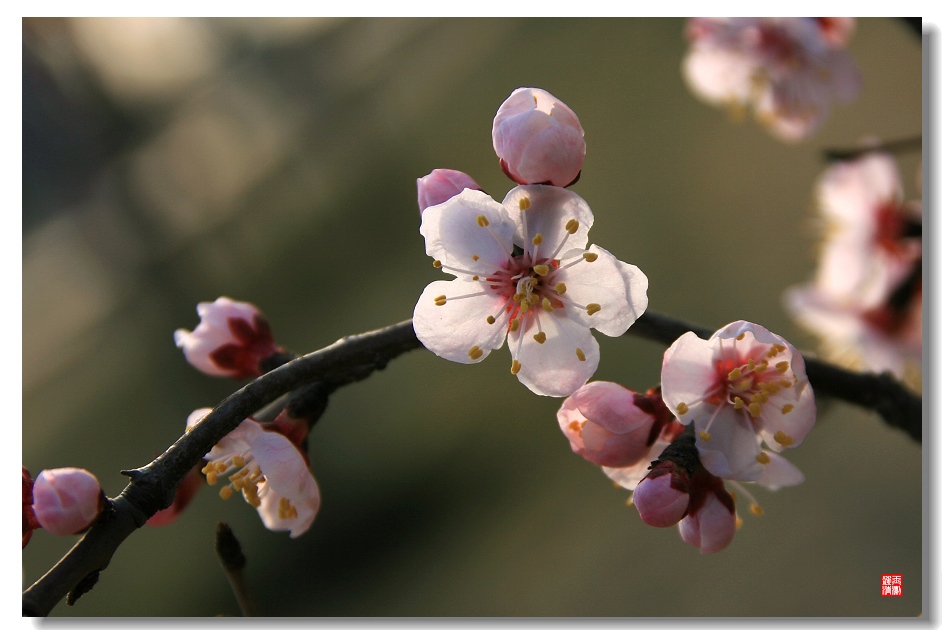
point(352, 359)
point(902, 145)
point(230, 555)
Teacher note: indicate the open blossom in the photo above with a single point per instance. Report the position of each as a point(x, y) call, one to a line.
point(270, 472)
point(787, 70)
point(66, 500)
point(523, 273)
point(538, 139)
point(230, 340)
point(441, 185)
point(872, 239)
point(741, 387)
point(611, 425)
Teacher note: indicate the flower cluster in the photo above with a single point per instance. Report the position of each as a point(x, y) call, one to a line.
point(865, 301)
point(739, 389)
point(523, 268)
point(786, 70)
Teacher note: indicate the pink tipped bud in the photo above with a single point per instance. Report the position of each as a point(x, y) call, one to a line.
point(606, 424)
point(441, 185)
point(662, 498)
point(66, 500)
point(538, 139)
point(711, 527)
point(231, 339)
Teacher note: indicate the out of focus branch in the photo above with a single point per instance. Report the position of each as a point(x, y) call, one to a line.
point(902, 145)
point(353, 359)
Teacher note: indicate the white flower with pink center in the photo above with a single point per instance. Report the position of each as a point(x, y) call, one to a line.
point(270, 472)
point(523, 272)
point(743, 386)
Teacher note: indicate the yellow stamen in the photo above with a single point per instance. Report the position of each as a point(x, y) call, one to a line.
point(784, 439)
point(475, 277)
point(787, 408)
point(755, 509)
point(741, 336)
point(238, 461)
point(560, 288)
point(572, 226)
point(779, 347)
point(538, 239)
point(762, 367)
point(782, 367)
point(755, 409)
point(547, 305)
point(524, 203)
point(763, 458)
point(475, 353)
point(515, 367)
point(514, 325)
point(576, 426)
point(475, 257)
point(738, 403)
point(785, 383)
point(580, 354)
point(593, 308)
point(751, 365)
point(437, 264)
point(540, 337)
point(734, 374)
point(682, 408)
point(705, 436)
point(440, 300)
point(738, 522)
point(541, 270)
point(211, 477)
point(226, 492)
point(590, 256)
point(482, 221)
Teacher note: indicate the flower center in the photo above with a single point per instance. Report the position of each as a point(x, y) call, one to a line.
point(247, 479)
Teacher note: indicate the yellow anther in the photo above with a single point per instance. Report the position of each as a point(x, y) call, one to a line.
point(593, 308)
point(761, 398)
point(226, 492)
point(782, 367)
point(755, 509)
point(763, 458)
point(437, 264)
point(787, 408)
point(762, 367)
point(784, 439)
point(682, 408)
point(534, 282)
point(540, 337)
point(576, 426)
point(630, 501)
point(590, 256)
point(236, 482)
point(482, 221)
point(475, 277)
point(538, 239)
point(743, 385)
point(738, 403)
point(541, 270)
point(738, 522)
point(524, 305)
point(515, 367)
point(547, 305)
point(741, 336)
point(580, 354)
point(475, 257)
point(751, 365)
point(238, 461)
point(779, 347)
point(221, 467)
point(208, 468)
point(440, 300)
point(734, 374)
point(705, 436)
point(211, 477)
point(514, 325)
point(572, 226)
point(755, 409)
point(524, 203)
point(772, 353)
point(475, 353)
point(785, 383)
point(560, 288)
point(518, 297)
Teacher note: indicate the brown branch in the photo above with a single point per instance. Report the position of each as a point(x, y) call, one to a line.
point(352, 359)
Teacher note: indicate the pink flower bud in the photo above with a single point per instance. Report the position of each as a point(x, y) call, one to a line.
point(538, 139)
point(663, 496)
point(606, 425)
point(66, 500)
point(230, 340)
point(441, 185)
point(711, 528)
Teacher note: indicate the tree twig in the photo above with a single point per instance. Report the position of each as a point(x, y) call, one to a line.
point(352, 359)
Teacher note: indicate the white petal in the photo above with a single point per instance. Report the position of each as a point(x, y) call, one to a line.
point(451, 330)
point(733, 446)
point(554, 368)
point(454, 235)
point(306, 508)
point(619, 288)
point(282, 464)
point(796, 424)
point(551, 208)
point(719, 76)
point(779, 473)
point(687, 374)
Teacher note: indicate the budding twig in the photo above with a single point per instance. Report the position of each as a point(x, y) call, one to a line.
point(230, 555)
point(352, 359)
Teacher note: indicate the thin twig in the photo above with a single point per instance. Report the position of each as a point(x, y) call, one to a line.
point(230, 555)
point(903, 145)
point(352, 359)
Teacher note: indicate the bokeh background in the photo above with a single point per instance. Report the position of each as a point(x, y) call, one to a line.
point(171, 161)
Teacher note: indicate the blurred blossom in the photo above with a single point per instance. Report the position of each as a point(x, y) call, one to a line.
point(538, 139)
point(786, 70)
point(66, 500)
point(743, 386)
point(232, 339)
point(544, 299)
point(610, 425)
point(269, 470)
point(441, 185)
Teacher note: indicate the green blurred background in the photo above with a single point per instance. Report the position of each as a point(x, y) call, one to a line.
point(171, 161)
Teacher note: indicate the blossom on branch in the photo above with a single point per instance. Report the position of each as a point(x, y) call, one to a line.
point(270, 472)
point(231, 339)
point(441, 185)
point(523, 272)
point(786, 70)
point(66, 500)
point(538, 139)
point(741, 387)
